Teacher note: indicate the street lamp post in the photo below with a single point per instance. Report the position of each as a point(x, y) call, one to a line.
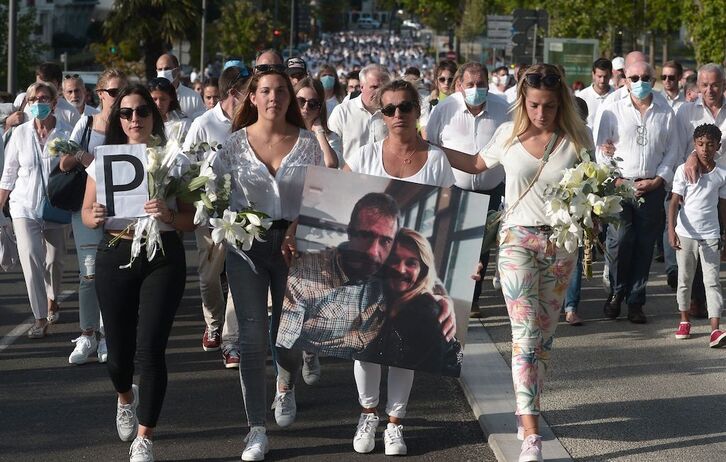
point(204, 30)
point(12, 42)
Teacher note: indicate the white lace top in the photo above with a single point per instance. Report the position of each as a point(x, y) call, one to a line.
point(254, 186)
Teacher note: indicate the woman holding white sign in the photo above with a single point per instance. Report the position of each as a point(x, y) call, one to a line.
point(138, 300)
point(41, 242)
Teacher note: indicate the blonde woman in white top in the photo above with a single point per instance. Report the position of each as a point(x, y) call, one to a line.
point(534, 274)
point(41, 244)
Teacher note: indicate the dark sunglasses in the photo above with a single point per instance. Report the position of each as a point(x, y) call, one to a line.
point(243, 74)
point(446, 79)
point(112, 92)
point(669, 78)
point(313, 104)
point(405, 107)
point(635, 78)
point(550, 81)
point(71, 76)
point(127, 113)
point(262, 68)
point(159, 82)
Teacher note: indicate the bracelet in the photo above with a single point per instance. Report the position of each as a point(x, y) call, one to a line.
point(79, 156)
point(320, 131)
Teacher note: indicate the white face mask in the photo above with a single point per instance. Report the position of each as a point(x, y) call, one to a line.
point(167, 74)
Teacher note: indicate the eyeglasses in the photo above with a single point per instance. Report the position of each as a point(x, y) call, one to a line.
point(39, 99)
point(669, 78)
point(262, 68)
point(446, 80)
point(371, 236)
point(71, 76)
point(635, 78)
point(313, 104)
point(112, 92)
point(243, 74)
point(405, 107)
point(127, 113)
point(642, 135)
point(159, 82)
point(550, 81)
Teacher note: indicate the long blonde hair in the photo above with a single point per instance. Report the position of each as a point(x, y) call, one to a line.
point(568, 121)
point(427, 277)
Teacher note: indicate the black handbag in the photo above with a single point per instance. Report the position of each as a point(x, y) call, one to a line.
point(66, 189)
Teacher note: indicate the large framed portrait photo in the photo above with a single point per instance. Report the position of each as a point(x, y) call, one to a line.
point(380, 261)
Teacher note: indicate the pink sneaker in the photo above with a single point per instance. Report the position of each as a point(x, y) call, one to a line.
point(684, 331)
point(718, 339)
point(531, 449)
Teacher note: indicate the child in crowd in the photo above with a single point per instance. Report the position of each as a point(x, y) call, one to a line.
point(695, 234)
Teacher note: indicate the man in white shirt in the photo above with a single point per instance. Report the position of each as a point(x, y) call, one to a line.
point(500, 81)
point(595, 94)
point(358, 121)
point(645, 144)
point(167, 66)
point(74, 91)
point(214, 127)
point(670, 76)
point(466, 122)
point(45, 72)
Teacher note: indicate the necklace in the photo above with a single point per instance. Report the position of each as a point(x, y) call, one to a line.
point(406, 159)
point(271, 145)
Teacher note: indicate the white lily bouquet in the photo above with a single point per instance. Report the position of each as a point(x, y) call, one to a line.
point(59, 146)
point(587, 196)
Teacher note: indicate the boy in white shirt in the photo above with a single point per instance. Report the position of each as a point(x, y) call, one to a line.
point(696, 233)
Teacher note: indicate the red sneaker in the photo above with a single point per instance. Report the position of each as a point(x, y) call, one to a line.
point(718, 339)
point(230, 358)
point(211, 339)
point(684, 331)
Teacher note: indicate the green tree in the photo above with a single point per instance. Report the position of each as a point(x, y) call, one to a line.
point(243, 29)
point(29, 50)
point(440, 15)
point(474, 19)
point(155, 23)
point(706, 22)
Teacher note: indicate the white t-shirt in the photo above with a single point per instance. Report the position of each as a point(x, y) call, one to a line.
point(211, 127)
point(96, 138)
point(593, 100)
point(521, 167)
point(698, 217)
point(435, 172)
point(190, 101)
point(330, 104)
point(176, 127)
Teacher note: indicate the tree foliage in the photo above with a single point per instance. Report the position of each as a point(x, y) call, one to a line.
point(706, 21)
point(440, 15)
point(28, 49)
point(243, 29)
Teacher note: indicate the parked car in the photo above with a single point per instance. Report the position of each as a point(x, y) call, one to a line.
point(411, 24)
point(368, 23)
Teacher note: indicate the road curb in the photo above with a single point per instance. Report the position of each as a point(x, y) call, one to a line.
point(486, 380)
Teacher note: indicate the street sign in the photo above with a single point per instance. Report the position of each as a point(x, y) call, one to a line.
point(575, 55)
point(499, 27)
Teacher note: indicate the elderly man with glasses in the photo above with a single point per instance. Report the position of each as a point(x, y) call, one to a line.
point(641, 135)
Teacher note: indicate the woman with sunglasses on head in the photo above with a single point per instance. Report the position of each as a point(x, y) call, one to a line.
point(41, 243)
point(310, 96)
point(334, 91)
point(138, 300)
point(176, 123)
point(92, 339)
point(267, 155)
point(443, 87)
point(534, 273)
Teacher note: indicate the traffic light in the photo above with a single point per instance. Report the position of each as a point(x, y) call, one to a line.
point(277, 33)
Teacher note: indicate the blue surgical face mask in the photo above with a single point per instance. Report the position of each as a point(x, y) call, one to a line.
point(475, 96)
point(328, 82)
point(640, 89)
point(40, 111)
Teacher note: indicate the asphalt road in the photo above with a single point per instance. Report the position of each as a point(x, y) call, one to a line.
point(53, 411)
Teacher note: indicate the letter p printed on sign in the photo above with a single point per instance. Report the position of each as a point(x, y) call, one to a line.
point(121, 179)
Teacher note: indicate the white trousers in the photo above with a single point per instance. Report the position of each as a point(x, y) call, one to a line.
point(710, 255)
point(368, 381)
point(42, 251)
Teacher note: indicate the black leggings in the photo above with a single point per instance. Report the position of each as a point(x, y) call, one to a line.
point(138, 306)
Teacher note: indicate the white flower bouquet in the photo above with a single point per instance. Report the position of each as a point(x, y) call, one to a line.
point(588, 196)
point(59, 146)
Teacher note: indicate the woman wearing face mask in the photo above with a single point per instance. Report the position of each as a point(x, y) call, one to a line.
point(443, 87)
point(41, 244)
point(110, 82)
point(309, 94)
point(176, 123)
point(334, 91)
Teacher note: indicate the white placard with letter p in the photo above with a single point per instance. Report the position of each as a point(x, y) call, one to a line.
point(121, 179)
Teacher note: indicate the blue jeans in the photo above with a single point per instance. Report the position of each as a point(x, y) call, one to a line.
point(572, 298)
point(249, 291)
point(630, 246)
point(86, 240)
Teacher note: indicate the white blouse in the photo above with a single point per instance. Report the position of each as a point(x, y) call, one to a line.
point(23, 174)
point(279, 195)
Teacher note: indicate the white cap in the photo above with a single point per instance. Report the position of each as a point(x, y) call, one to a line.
point(618, 63)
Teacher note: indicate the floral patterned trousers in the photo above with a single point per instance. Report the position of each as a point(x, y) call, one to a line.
point(534, 275)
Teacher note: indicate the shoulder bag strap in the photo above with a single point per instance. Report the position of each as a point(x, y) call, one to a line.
point(86, 138)
point(40, 166)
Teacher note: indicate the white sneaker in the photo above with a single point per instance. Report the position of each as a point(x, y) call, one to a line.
point(86, 345)
point(142, 450)
point(365, 434)
point(127, 424)
point(393, 439)
point(102, 351)
point(606, 278)
point(285, 407)
point(311, 368)
point(531, 449)
point(256, 444)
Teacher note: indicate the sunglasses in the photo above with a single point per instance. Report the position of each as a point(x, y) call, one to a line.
point(112, 92)
point(635, 78)
point(243, 74)
point(313, 104)
point(159, 82)
point(447, 80)
point(262, 68)
point(127, 113)
point(550, 81)
point(668, 78)
point(405, 107)
point(71, 76)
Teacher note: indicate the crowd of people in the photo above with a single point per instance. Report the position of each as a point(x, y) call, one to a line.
point(361, 104)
